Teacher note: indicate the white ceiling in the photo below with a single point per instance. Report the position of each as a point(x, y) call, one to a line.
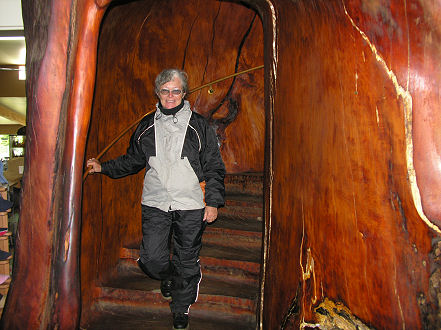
point(12, 53)
point(10, 15)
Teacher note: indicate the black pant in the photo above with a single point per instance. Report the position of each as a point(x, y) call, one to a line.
point(186, 228)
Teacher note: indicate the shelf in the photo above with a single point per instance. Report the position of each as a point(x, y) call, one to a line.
point(4, 287)
point(4, 242)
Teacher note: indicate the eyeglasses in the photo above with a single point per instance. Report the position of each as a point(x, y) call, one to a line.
point(174, 92)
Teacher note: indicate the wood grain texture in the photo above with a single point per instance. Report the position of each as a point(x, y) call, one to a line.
point(345, 224)
point(209, 40)
point(36, 214)
point(61, 60)
point(350, 115)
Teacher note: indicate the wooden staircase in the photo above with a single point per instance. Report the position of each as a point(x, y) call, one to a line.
point(230, 260)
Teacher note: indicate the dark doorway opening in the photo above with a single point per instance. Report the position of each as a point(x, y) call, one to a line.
point(209, 40)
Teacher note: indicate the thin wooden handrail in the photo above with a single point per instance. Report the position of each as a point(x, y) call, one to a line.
point(86, 173)
point(225, 78)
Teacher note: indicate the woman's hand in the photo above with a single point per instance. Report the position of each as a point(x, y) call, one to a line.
point(95, 166)
point(210, 214)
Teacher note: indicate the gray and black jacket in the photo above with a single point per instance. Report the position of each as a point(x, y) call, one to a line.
point(200, 147)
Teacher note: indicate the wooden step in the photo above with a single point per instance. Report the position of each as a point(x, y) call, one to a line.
point(240, 254)
point(232, 237)
point(133, 290)
point(244, 183)
point(230, 261)
point(244, 269)
point(234, 271)
point(140, 284)
point(243, 206)
point(237, 223)
point(114, 316)
point(234, 232)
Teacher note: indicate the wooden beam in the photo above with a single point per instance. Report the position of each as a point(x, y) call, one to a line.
point(12, 115)
point(10, 86)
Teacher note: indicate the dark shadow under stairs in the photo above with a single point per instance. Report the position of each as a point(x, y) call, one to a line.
point(230, 260)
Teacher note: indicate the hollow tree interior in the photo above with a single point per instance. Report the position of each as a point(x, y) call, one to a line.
point(209, 40)
point(330, 140)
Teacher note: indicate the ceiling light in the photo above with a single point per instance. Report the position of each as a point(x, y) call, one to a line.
point(22, 55)
point(14, 38)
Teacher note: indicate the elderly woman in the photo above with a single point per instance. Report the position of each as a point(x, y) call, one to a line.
point(179, 150)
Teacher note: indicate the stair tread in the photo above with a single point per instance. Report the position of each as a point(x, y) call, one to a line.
point(243, 197)
point(237, 223)
point(231, 253)
point(232, 238)
point(231, 271)
point(227, 238)
point(244, 253)
point(243, 206)
point(230, 260)
point(251, 183)
point(232, 225)
point(247, 174)
point(124, 320)
point(208, 286)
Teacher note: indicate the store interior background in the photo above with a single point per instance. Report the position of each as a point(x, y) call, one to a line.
point(12, 104)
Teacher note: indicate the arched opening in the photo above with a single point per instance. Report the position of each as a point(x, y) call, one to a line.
point(209, 40)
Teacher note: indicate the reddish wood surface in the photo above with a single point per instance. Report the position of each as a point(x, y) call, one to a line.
point(351, 90)
point(45, 288)
point(344, 224)
point(209, 40)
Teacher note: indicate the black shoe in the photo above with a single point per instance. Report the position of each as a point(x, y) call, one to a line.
point(180, 321)
point(166, 287)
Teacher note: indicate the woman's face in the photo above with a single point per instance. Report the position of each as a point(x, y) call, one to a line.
point(170, 94)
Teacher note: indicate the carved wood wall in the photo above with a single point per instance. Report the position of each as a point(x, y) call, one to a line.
point(354, 95)
point(352, 150)
point(208, 39)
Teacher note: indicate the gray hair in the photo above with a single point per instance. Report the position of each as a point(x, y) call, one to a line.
point(167, 75)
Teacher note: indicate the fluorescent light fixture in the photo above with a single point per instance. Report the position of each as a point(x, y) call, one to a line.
point(14, 38)
point(21, 72)
point(22, 55)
